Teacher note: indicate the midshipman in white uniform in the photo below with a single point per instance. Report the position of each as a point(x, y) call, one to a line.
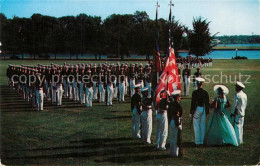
point(161, 121)
point(146, 116)
point(136, 112)
point(238, 111)
point(199, 110)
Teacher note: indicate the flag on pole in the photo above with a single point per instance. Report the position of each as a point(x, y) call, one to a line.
point(169, 79)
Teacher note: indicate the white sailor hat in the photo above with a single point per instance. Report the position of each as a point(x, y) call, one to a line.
point(199, 79)
point(176, 93)
point(240, 84)
point(144, 89)
point(222, 87)
point(137, 86)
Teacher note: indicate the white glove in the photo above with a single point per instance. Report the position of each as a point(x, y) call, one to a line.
point(190, 115)
point(180, 127)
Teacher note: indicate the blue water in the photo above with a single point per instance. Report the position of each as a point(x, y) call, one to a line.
point(228, 54)
point(216, 54)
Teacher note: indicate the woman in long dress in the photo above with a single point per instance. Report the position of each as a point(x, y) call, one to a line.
point(219, 128)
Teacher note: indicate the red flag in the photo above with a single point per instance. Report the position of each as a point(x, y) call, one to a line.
point(169, 79)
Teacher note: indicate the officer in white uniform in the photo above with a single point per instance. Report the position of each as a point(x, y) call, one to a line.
point(238, 111)
point(136, 112)
point(199, 110)
point(146, 116)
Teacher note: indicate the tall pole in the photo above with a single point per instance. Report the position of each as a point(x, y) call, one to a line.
point(170, 23)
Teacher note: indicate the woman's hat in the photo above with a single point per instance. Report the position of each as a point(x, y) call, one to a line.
point(222, 88)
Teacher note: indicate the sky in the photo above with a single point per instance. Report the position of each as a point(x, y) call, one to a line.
point(228, 17)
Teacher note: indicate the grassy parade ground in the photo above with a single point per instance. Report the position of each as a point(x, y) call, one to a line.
point(74, 134)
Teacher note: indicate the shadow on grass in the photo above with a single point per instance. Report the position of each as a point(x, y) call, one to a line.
point(118, 117)
point(114, 150)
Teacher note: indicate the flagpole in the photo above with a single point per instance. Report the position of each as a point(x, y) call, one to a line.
point(170, 23)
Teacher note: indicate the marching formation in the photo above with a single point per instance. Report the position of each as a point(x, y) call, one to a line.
point(221, 128)
point(84, 83)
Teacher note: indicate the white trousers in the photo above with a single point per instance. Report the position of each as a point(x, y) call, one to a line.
point(174, 149)
point(132, 84)
point(101, 92)
point(135, 124)
point(147, 126)
point(115, 89)
point(199, 123)
point(81, 93)
point(75, 91)
point(122, 91)
point(238, 126)
point(187, 85)
point(70, 86)
point(53, 93)
point(59, 94)
point(126, 85)
point(95, 90)
point(89, 95)
point(149, 86)
point(109, 94)
point(161, 129)
point(39, 100)
point(65, 85)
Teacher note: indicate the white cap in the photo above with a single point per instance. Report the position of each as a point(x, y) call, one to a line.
point(199, 79)
point(176, 92)
point(240, 84)
point(223, 87)
point(144, 89)
point(137, 86)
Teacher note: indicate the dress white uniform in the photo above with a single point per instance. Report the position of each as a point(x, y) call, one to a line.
point(146, 118)
point(136, 108)
point(240, 103)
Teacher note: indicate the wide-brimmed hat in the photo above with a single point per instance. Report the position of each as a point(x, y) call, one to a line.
point(222, 87)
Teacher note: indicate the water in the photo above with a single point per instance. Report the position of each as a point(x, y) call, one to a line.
point(228, 54)
point(216, 54)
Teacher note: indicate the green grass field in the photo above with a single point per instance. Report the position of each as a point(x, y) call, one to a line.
point(101, 135)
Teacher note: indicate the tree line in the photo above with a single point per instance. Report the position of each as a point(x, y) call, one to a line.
point(239, 39)
point(119, 35)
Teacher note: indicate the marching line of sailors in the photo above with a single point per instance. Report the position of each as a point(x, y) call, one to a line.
point(221, 129)
point(80, 83)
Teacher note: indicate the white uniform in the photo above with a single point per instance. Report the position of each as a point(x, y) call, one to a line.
point(89, 95)
point(115, 89)
point(75, 91)
point(174, 149)
point(39, 99)
point(135, 124)
point(240, 102)
point(161, 129)
point(147, 126)
point(101, 92)
point(95, 90)
point(110, 90)
point(132, 84)
point(82, 93)
point(187, 84)
point(59, 91)
point(199, 123)
point(122, 91)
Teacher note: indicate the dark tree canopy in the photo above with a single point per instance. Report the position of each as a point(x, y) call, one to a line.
point(200, 39)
